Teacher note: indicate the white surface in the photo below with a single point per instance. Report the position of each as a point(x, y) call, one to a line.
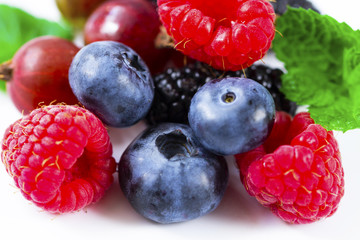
point(238, 216)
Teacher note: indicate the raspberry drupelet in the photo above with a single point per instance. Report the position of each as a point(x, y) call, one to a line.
point(60, 157)
point(297, 172)
point(228, 35)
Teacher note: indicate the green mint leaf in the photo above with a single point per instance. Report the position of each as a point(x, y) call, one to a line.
point(18, 27)
point(322, 59)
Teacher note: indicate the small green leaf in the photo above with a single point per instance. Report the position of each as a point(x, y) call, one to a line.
point(322, 59)
point(18, 27)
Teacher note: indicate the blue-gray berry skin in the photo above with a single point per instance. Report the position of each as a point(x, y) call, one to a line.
point(231, 115)
point(167, 176)
point(113, 82)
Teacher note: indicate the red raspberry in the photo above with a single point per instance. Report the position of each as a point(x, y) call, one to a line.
point(228, 35)
point(297, 172)
point(60, 157)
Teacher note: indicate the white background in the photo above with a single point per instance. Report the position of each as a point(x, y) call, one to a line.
point(238, 216)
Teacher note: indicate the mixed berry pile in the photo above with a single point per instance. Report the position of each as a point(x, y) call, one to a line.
point(209, 99)
point(175, 87)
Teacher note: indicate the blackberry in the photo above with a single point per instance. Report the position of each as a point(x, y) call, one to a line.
point(270, 78)
point(175, 87)
point(280, 6)
point(173, 92)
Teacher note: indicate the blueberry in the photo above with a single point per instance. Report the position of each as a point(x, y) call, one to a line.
point(167, 176)
point(280, 6)
point(113, 82)
point(231, 115)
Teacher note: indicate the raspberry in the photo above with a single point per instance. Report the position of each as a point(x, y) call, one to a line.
point(60, 157)
point(300, 178)
point(228, 37)
point(175, 88)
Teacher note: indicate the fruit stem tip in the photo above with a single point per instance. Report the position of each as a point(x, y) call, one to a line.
point(6, 71)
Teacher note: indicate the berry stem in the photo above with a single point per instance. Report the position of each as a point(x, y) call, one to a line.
point(164, 40)
point(6, 71)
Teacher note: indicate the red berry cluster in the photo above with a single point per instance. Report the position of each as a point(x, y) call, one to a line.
point(297, 172)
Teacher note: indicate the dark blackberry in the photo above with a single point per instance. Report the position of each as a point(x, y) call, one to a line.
point(175, 88)
point(270, 78)
point(173, 92)
point(280, 6)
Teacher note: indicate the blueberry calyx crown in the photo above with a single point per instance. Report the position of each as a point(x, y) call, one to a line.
point(228, 97)
point(174, 146)
point(133, 62)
